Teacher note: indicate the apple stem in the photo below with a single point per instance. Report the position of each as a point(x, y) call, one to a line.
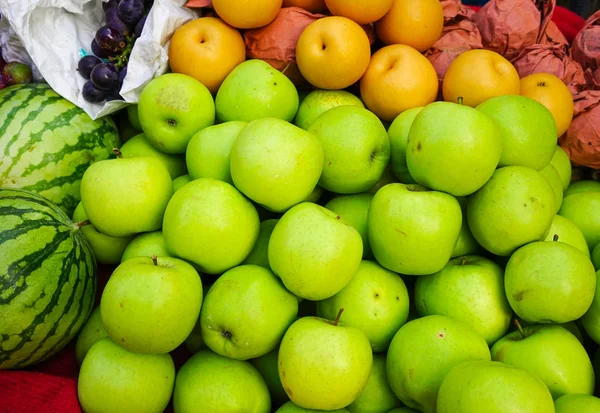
point(463, 261)
point(339, 315)
point(520, 328)
point(155, 259)
point(286, 67)
point(117, 152)
point(82, 223)
point(460, 100)
point(555, 237)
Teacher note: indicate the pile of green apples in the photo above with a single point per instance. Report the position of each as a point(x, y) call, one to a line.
point(313, 258)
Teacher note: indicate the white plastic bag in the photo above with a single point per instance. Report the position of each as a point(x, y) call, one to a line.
point(55, 34)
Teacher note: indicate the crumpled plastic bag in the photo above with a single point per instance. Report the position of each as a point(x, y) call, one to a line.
point(199, 3)
point(455, 8)
point(458, 36)
point(585, 49)
point(276, 42)
point(553, 35)
point(508, 26)
point(551, 58)
point(54, 34)
point(582, 139)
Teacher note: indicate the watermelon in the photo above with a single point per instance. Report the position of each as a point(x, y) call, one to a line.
point(47, 143)
point(48, 278)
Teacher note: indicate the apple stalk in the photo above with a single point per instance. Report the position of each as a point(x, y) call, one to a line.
point(337, 319)
point(517, 323)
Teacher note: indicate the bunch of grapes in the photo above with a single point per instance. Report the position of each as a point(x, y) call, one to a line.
point(106, 67)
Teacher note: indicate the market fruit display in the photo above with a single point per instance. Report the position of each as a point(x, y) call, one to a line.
point(47, 143)
point(309, 213)
point(48, 282)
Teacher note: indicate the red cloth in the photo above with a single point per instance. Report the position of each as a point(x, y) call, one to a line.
point(52, 386)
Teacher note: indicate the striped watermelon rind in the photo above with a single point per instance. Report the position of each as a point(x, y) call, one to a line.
point(47, 143)
point(48, 277)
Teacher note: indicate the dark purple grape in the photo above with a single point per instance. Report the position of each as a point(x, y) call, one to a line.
point(140, 26)
point(113, 94)
point(86, 64)
point(92, 94)
point(110, 38)
point(131, 11)
point(105, 76)
point(109, 4)
point(111, 18)
point(101, 53)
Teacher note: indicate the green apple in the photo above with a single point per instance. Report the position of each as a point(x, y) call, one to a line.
point(413, 230)
point(577, 403)
point(290, 407)
point(315, 195)
point(208, 222)
point(124, 196)
point(388, 177)
point(255, 90)
point(596, 257)
point(92, 332)
point(582, 186)
point(140, 146)
point(114, 380)
point(551, 175)
point(194, 342)
point(584, 210)
point(172, 108)
point(377, 396)
point(469, 289)
point(466, 244)
point(564, 230)
point(550, 352)
point(398, 133)
point(126, 130)
point(260, 252)
point(561, 162)
point(591, 319)
point(324, 365)
point(492, 387)
point(146, 245)
point(528, 128)
point(320, 101)
point(107, 249)
point(354, 209)
point(132, 116)
point(208, 382)
point(515, 207)
point(403, 410)
point(453, 148)
point(423, 351)
point(375, 301)
point(246, 313)
point(267, 367)
point(314, 251)
point(549, 282)
point(356, 146)
point(150, 305)
point(209, 151)
point(275, 163)
point(181, 181)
